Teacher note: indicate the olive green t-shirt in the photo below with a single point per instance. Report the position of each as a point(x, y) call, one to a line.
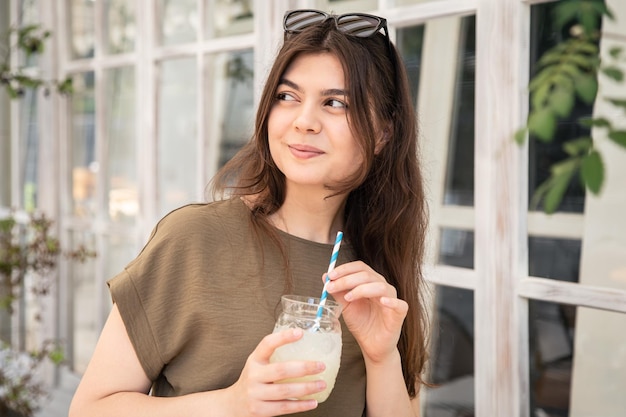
point(206, 289)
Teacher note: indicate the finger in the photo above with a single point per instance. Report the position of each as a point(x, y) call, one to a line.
point(401, 307)
point(370, 290)
point(271, 342)
point(348, 269)
point(279, 371)
point(292, 390)
point(279, 408)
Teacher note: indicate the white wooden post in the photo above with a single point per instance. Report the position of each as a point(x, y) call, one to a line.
point(501, 345)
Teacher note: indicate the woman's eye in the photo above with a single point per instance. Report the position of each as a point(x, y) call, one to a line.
point(338, 104)
point(285, 97)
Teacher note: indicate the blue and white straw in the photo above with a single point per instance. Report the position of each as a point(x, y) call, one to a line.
point(331, 266)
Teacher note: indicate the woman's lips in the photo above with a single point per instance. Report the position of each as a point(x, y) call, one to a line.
point(305, 151)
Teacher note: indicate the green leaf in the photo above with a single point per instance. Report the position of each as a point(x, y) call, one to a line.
point(26, 30)
point(542, 78)
point(585, 47)
point(618, 136)
point(540, 96)
point(542, 124)
point(563, 167)
point(520, 135)
point(569, 69)
point(562, 80)
point(561, 101)
point(549, 58)
point(617, 102)
point(592, 171)
point(66, 86)
point(56, 355)
point(594, 122)
point(557, 187)
point(581, 61)
point(578, 146)
point(615, 52)
point(602, 9)
point(564, 12)
point(589, 21)
point(587, 88)
point(554, 187)
point(614, 73)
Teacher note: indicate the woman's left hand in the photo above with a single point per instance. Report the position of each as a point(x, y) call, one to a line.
point(370, 308)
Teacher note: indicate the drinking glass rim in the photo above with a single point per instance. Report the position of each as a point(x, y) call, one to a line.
point(313, 301)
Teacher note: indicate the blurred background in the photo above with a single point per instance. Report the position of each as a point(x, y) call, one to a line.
point(527, 308)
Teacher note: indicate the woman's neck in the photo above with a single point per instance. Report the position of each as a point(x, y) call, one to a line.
point(310, 217)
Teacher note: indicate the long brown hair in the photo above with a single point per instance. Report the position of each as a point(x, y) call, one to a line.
point(385, 214)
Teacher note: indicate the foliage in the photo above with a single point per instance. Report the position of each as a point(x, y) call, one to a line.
point(568, 72)
point(27, 249)
point(30, 41)
point(20, 389)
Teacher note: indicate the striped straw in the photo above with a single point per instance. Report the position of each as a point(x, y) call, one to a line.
point(331, 266)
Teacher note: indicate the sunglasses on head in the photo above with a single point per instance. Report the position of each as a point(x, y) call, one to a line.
point(360, 25)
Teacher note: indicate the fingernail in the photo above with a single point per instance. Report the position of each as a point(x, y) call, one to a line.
point(348, 296)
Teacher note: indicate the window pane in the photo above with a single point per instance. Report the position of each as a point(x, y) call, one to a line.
point(121, 187)
point(28, 14)
point(409, 41)
point(577, 361)
point(5, 120)
point(459, 186)
point(409, 2)
point(226, 17)
point(5, 151)
point(554, 258)
point(90, 298)
point(543, 155)
point(177, 21)
point(451, 363)
point(28, 11)
point(230, 102)
point(29, 149)
point(82, 147)
point(456, 248)
point(120, 28)
point(177, 125)
point(81, 33)
point(347, 6)
point(83, 292)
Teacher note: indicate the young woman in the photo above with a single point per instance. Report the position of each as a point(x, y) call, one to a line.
point(334, 149)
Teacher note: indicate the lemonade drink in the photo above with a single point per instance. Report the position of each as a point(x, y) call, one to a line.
point(313, 346)
point(321, 340)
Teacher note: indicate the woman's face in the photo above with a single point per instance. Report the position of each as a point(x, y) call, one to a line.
point(309, 137)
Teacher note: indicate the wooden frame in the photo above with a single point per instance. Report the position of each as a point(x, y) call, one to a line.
point(499, 219)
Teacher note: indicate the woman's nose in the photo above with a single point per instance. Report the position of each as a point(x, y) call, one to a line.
point(307, 119)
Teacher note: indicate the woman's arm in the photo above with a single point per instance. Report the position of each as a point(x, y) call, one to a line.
point(115, 383)
point(374, 315)
point(386, 390)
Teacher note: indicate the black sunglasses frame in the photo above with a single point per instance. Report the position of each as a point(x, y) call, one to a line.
point(381, 25)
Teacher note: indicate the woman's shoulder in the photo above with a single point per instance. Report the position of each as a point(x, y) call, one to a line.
point(200, 216)
point(201, 223)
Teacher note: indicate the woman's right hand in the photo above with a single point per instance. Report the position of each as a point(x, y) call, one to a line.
point(257, 392)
